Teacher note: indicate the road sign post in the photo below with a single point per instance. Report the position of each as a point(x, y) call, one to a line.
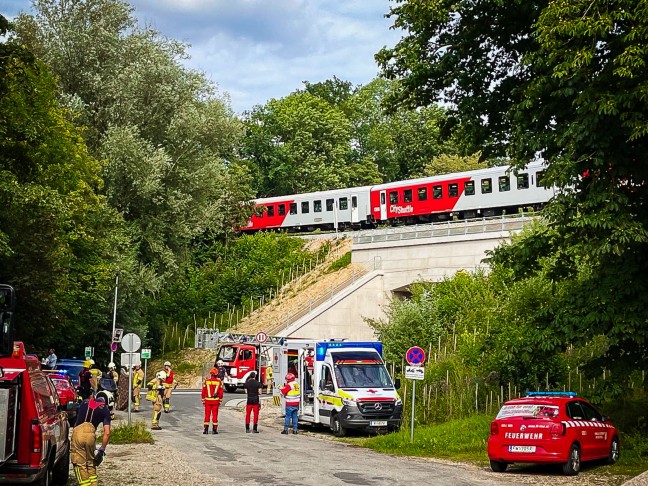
point(89, 352)
point(146, 355)
point(131, 342)
point(415, 357)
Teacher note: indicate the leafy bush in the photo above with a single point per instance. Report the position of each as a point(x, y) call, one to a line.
point(340, 263)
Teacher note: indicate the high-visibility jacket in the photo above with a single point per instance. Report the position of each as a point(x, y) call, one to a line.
point(138, 378)
point(212, 390)
point(292, 394)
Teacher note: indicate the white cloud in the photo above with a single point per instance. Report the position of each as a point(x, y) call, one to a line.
point(261, 49)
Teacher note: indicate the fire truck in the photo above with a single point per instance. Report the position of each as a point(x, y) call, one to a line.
point(344, 384)
point(241, 355)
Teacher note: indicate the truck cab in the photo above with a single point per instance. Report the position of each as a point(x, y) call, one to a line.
point(344, 384)
point(241, 359)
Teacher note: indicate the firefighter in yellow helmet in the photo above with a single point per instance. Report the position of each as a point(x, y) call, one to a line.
point(155, 395)
point(138, 381)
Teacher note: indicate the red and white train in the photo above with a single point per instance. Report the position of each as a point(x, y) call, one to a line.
point(477, 193)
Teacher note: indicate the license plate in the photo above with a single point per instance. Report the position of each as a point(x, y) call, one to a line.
point(525, 449)
point(378, 423)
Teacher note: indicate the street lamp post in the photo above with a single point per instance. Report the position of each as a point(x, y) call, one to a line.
point(114, 319)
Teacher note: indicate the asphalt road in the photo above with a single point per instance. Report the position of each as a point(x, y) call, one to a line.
point(309, 458)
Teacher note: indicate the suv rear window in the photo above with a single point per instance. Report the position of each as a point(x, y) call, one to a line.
point(528, 410)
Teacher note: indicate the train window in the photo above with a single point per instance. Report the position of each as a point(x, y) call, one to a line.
point(540, 176)
point(382, 198)
point(486, 186)
point(344, 203)
point(293, 208)
point(523, 181)
point(354, 202)
point(422, 194)
point(281, 209)
point(453, 190)
point(437, 192)
point(393, 197)
point(317, 206)
point(469, 188)
point(407, 195)
point(329, 204)
point(305, 207)
point(504, 183)
point(270, 211)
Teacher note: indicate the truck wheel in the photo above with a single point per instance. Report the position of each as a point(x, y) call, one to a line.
point(61, 471)
point(230, 388)
point(498, 466)
point(336, 426)
point(572, 466)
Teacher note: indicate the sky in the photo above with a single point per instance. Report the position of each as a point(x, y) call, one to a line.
point(256, 50)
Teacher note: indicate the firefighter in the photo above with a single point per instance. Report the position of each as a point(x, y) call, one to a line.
point(84, 454)
point(156, 394)
point(268, 377)
point(212, 395)
point(292, 395)
point(221, 369)
point(96, 376)
point(85, 381)
point(138, 381)
point(169, 385)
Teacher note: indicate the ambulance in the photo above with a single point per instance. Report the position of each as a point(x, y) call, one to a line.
point(344, 384)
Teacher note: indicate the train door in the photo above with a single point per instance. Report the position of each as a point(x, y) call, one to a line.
point(383, 205)
point(355, 217)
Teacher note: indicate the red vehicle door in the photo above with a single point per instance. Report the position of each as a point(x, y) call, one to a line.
point(246, 361)
point(583, 433)
point(599, 433)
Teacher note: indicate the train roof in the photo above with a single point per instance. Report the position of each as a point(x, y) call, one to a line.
point(322, 194)
point(455, 175)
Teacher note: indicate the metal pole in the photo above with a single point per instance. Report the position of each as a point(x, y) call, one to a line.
point(145, 361)
point(130, 389)
point(114, 317)
point(413, 398)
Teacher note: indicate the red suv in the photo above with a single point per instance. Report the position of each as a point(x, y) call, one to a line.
point(34, 430)
point(551, 427)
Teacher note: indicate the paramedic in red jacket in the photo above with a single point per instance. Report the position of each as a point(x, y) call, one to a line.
point(291, 393)
point(212, 395)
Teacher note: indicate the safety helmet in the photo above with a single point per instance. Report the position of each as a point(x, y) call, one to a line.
point(91, 362)
point(87, 363)
point(167, 363)
point(111, 366)
point(161, 375)
point(213, 371)
point(106, 397)
point(290, 377)
point(219, 362)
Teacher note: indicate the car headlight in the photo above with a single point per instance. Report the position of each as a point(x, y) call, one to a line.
point(349, 402)
point(399, 402)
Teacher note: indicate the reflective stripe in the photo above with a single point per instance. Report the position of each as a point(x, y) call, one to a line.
point(293, 394)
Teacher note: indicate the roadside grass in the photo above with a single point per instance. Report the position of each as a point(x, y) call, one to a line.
point(136, 433)
point(465, 440)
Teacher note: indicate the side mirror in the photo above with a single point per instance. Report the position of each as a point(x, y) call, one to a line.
point(397, 383)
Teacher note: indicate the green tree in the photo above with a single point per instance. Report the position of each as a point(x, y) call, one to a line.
point(61, 244)
point(167, 135)
point(447, 164)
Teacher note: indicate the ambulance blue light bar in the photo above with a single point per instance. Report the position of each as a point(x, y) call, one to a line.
point(551, 394)
point(321, 348)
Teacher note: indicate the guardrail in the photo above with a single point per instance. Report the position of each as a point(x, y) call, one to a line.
point(450, 228)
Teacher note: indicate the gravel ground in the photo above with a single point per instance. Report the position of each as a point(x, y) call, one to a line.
point(136, 464)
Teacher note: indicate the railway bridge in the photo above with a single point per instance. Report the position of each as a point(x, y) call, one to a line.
point(395, 258)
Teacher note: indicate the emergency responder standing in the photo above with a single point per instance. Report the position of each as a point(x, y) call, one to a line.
point(212, 395)
point(85, 381)
point(268, 377)
point(253, 388)
point(138, 381)
point(96, 376)
point(156, 395)
point(220, 366)
point(83, 452)
point(169, 385)
point(292, 395)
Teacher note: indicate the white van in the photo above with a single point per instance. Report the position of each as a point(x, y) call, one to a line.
point(344, 384)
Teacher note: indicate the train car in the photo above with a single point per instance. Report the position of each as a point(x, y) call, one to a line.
point(478, 193)
point(341, 208)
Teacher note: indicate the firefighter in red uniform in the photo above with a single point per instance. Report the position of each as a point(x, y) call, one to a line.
point(169, 385)
point(212, 394)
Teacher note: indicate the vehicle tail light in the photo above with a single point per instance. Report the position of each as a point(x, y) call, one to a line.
point(37, 438)
point(494, 428)
point(558, 429)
